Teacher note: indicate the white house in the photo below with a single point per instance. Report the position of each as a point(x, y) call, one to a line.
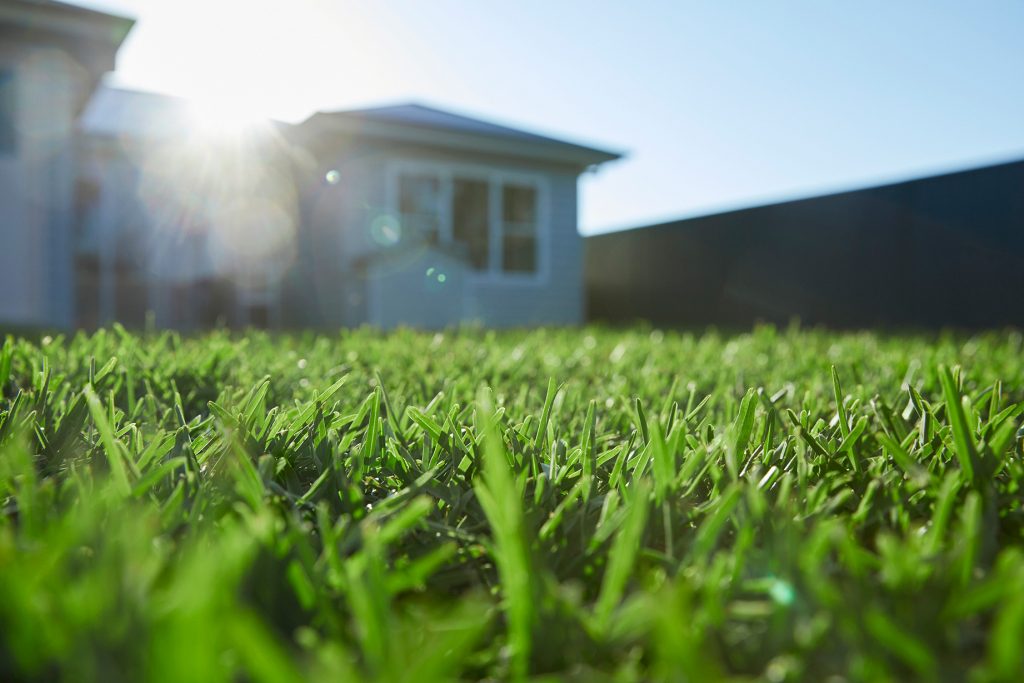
point(429, 218)
point(51, 58)
point(389, 216)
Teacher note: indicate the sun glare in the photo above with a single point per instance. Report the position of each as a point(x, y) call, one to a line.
point(225, 119)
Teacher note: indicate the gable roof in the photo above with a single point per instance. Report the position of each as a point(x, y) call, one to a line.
point(418, 123)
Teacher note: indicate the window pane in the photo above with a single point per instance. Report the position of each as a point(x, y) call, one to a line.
point(519, 254)
point(419, 203)
point(8, 132)
point(519, 229)
point(470, 220)
point(520, 204)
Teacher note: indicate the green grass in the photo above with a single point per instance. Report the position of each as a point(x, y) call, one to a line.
point(567, 505)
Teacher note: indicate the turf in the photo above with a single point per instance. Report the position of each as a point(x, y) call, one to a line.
point(567, 505)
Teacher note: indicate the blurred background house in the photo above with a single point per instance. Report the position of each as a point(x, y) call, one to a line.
point(403, 215)
point(145, 213)
point(428, 218)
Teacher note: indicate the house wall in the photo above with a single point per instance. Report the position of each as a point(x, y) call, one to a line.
point(330, 288)
point(400, 292)
point(934, 252)
point(36, 186)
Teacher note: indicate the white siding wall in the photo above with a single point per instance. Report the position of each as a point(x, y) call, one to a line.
point(423, 289)
point(336, 235)
point(36, 186)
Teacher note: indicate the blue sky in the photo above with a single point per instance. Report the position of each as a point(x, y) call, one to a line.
point(718, 104)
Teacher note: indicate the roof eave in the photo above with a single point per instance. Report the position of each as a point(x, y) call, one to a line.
point(551, 151)
point(68, 20)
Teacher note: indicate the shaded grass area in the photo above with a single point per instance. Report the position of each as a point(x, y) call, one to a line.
point(568, 505)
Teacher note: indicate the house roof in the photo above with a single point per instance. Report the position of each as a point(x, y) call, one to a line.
point(78, 10)
point(119, 112)
point(414, 114)
point(418, 123)
point(66, 19)
point(115, 112)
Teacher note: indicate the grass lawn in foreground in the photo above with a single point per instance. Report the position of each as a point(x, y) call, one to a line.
point(574, 505)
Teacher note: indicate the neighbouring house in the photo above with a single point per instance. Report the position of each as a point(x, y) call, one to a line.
point(428, 218)
point(118, 206)
point(51, 58)
point(940, 251)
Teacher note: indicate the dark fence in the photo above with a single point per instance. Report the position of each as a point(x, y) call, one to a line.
point(945, 251)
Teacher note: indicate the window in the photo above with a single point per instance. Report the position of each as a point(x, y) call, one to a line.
point(470, 218)
point(493, 218)
point(419, 206)
point(519, 229)
point(8, 112)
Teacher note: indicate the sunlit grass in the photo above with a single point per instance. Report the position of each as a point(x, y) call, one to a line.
point(586, 505)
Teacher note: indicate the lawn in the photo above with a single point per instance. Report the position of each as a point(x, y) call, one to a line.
point(586, 505)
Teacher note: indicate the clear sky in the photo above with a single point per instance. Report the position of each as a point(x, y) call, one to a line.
point(718, 104)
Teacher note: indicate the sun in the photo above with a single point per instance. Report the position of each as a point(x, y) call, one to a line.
point(225, 118)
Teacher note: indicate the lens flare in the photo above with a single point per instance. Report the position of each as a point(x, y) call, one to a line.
point(385, 230)
point(225, 119)
point(221, 202)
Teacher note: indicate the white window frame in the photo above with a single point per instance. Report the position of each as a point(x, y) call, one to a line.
point(496, 179)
